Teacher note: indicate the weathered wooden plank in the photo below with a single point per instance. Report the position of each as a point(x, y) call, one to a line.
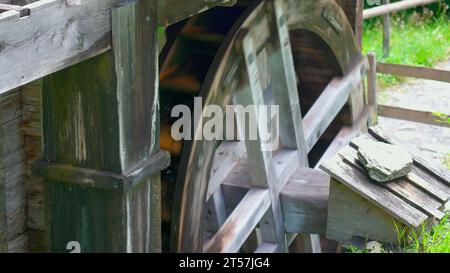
point(241, 222)
point(5, 7)
point(32, 129)
point(226, 158)
point(100, 117)
point(435, 183)
point(427, 187)
point(11, 107)
point(284, 85)
point(55, 34)
point(379, 196)
point(305, 202)
point(427, 183)
point(352, 215)
point(262, 167)
point(172, 11)
point(395, 7)
point(340, 141)
point(425, 117)
point(372, 87)
point(329, 104)
point(266, 248)
point(401, 188)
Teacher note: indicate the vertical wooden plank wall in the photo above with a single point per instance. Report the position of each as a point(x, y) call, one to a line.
point(13, 236)
point(32, 130)
point(101, 156)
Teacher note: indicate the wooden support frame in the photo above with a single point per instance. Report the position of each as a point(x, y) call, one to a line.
point(330, 102)
point(49, 35)
point(110, 189)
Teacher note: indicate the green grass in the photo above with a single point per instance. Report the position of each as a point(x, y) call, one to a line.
point(431, 240)
point(416, 40)
point(435, 239)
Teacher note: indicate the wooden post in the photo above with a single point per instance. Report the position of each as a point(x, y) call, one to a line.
point(386, 32)
point(286, 96)
point(13, 236)
point(32, 130)
point(101, 157)
point(372, 87)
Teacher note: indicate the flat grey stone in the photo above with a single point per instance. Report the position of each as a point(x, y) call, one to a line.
point(384, 162)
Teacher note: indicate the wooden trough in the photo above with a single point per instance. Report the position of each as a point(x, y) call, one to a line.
point(361, 208)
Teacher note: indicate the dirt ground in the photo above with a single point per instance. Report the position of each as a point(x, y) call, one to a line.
point(433, 141)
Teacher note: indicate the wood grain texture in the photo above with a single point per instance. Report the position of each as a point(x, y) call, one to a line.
point(329, 104)
point(411, 200)
point(419, 72)
point(54, 34)
point(241, 222)
point(94, 125)
point(13, 237)
point(351, 215)
point(425, 117)
point(375, 194)
point(401, 188)
point(32, 129)
point(305, 202)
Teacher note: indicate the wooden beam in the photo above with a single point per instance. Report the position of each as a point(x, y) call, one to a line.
point(414, 72)
point(330, 103)
point(260, 156)
point(395, 7)
point(226, 158)
point(411, 115)
point(240, 223)
point(53, 34)
point(372, 98)
point(305, 202)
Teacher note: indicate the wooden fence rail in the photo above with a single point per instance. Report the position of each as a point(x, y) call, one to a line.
point(425, 117)
point(395, 7)
point(414, 71)
point(411, 115)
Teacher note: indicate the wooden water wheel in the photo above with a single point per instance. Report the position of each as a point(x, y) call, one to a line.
point(300, 55)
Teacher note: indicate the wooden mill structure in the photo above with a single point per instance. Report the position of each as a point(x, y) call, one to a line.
point(87, 88)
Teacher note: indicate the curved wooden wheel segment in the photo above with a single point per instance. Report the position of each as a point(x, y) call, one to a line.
point(228, 194)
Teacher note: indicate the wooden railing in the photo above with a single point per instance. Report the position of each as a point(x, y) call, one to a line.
point(406, 71)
